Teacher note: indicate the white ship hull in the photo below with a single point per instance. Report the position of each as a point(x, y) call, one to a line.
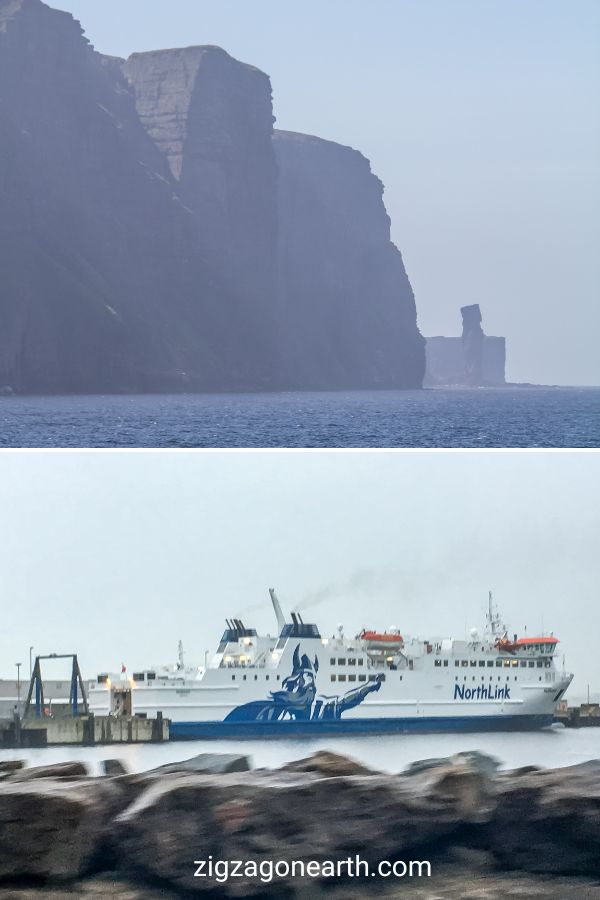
point(301, 684)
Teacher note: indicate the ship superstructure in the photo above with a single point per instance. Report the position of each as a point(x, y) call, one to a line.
point(300, 682)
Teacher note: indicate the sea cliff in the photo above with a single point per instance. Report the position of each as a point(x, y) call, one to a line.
point(152, 237)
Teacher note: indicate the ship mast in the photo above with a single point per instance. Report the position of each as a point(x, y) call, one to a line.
point(492, 617)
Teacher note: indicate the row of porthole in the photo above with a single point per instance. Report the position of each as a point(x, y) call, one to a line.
point(245, 677)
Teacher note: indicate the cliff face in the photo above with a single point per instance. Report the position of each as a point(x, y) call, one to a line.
point(97, 287)
point(212, 118)
point(149, 239)
point(347, 310)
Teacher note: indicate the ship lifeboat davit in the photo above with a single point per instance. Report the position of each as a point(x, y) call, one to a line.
point(382, 640)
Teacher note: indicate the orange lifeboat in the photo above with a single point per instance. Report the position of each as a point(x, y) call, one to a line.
point(382, 640)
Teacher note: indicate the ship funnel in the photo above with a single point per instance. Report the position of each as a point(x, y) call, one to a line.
point(277, 608)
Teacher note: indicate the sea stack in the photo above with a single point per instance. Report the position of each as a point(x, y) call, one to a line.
point(473, 360)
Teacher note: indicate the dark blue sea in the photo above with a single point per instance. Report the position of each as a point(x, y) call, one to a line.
point(505, 417)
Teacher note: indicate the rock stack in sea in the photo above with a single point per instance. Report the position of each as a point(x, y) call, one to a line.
point(138, 835)
point(155, 235)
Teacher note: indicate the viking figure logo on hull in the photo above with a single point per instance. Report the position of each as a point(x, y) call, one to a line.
point(298, 700)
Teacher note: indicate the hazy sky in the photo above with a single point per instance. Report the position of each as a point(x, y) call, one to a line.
point(117, 556)
point(481, 118)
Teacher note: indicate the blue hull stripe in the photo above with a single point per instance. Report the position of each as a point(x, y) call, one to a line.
point(416, 725)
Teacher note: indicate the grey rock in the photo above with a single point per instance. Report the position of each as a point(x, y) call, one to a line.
point(207, 764)
point(283, 815)
point(113, 767)
point(328, 765)
point(53, 828)
point(479, 762)
point(548, 821)
point(67, 770)
point(346, 307)
point(9, 766)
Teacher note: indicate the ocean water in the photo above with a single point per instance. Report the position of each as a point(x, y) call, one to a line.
point(551, 748)
point(506, 417)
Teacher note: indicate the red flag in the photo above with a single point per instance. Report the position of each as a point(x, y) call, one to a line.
point(123, 668)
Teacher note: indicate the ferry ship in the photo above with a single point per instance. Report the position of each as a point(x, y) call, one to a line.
point(301, 683)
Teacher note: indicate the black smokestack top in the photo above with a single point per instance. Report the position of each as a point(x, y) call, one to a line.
point(472, 339)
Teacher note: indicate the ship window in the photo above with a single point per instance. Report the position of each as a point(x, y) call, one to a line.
point(464, 663)
point(266, 677)
point(498, 662)
point(364, 677)
point(473, 663)
point(244, 677)
point(490, 663)
point(446, 663)
point(351, 661)
point(515, 677)
point(341, 662)
point(473, 678)
point(360, 662)
point(514, 663)
point(482, 663)
point(102, 679)
point(539, 663)
point(150, 676)
point(332, 662)
point(351, 677)
point(438, 663)
point(401, 678)
point(547, 663)
point(233, 677)
point(333, 677)
point(277, 676)
point(456, 662)
point(341, 677)
point(138, 676)
point(506, 663)
point(256, 677)
point(523, 663)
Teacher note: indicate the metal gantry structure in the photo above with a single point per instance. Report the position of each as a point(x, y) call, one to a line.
point(34, 705)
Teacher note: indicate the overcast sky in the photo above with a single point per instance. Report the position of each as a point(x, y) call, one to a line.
point(117, 556)
point(481, 118)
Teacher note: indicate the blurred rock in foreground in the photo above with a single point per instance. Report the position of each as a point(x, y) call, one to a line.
point(523, 833)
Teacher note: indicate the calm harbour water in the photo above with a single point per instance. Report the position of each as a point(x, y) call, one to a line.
point(550, 748)
point(507, 417)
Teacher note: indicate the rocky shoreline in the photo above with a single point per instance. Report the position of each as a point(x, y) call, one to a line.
point(487, 833)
